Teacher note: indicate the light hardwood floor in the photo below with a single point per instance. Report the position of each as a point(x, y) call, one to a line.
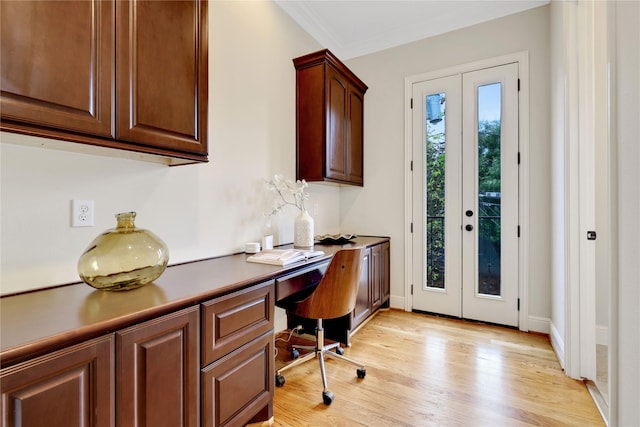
point(428, 371)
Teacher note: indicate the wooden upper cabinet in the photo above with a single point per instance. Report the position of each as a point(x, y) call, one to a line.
point(329, 120)
point(129, 75)
point(161, 75)
point(57, 64)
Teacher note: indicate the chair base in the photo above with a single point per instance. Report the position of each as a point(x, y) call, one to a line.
point(320, 350)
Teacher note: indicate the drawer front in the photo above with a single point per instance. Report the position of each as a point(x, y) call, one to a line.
point(299, 280)
point(233, 320)
point(238, 387)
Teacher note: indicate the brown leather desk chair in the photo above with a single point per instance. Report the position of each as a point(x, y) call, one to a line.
point(335, 296)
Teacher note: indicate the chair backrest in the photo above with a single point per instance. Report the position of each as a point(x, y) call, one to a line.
point(337, 291)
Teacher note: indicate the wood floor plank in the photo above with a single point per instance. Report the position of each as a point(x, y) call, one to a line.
point(426, 371)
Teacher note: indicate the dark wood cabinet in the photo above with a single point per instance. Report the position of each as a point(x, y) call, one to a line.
point(57, 65)
point(129, 75)
point(72, 387)
point(238, 357)
point(329, 120)
point(380, 288)
point(374, 284)
point(161, 77)
point(157, 372)
point(238, 388)
point(363, 300)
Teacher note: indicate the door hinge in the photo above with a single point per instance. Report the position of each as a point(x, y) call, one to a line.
point(412, 103)
point(411, 289)
point(518, 304)
point(518, 157)
point(412, 227)
point(411, 165)
point(518, 231)
point(518, 85)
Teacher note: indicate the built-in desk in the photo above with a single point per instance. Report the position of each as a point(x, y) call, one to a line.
point(66, 340)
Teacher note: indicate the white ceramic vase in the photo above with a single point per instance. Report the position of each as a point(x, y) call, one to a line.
point(303, 231)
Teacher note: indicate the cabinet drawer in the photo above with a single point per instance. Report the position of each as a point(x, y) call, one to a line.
point(240, 385)
point(233, 320)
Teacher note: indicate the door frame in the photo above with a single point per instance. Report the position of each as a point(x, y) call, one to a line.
point(522, 58)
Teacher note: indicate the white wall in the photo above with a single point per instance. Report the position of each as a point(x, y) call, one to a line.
point(557, 133)
point(199, 210)
point(378, 208)
point(626, 76)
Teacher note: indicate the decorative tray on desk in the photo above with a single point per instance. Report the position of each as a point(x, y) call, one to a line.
point(334, 239)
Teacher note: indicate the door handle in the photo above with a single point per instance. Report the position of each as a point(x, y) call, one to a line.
point(468, 227)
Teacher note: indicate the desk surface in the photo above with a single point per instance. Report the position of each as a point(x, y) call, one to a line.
point(34, 323)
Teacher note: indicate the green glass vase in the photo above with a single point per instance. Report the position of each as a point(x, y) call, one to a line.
point(124, 257)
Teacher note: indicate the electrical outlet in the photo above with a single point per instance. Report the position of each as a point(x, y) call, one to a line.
point(82, 213)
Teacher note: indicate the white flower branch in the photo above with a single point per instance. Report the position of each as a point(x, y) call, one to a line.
point(289, 193)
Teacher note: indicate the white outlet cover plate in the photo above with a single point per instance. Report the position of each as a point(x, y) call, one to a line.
point(82, 213)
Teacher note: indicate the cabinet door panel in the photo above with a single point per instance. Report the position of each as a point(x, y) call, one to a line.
point(386, 272)
point(162, 73)
point(336, 126)
point(239, 386)
point(157, 374)
point(376, 276)
point(363, 301)
point(69, 388)
point(56, 62)
point(356, 137)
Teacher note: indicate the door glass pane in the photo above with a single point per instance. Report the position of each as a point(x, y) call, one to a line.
point(434, 188)
point(489, 188)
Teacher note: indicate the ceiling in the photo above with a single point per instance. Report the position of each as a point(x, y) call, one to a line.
point(352, 28)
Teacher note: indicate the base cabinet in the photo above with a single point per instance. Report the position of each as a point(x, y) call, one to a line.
point(363, 300)
point(157, 372)
point(72, 387)
point(238, 357)
point(238, 388)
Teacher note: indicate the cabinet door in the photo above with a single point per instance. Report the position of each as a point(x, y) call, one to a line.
point(363, 300)
point(376, 277)
point(386, 272)
point(238, 388)
point(162, 71)
point(69, 388)
point(336, 123)
point(157, 372)
point(355, 124)
point(56, 64)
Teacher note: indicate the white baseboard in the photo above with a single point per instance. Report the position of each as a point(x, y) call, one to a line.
point(396, 302)
point(557, 343)
point(539, 324)
point(602, 335)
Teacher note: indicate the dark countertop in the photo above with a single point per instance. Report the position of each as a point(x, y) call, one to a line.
point(34, 323)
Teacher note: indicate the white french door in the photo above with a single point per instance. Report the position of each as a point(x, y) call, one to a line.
point(465, 195)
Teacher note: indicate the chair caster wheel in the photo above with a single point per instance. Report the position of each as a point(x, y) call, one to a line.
point(340, 350)
point(295, 353)
point(279, 380)
point(361, 373)
point(327, 397)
